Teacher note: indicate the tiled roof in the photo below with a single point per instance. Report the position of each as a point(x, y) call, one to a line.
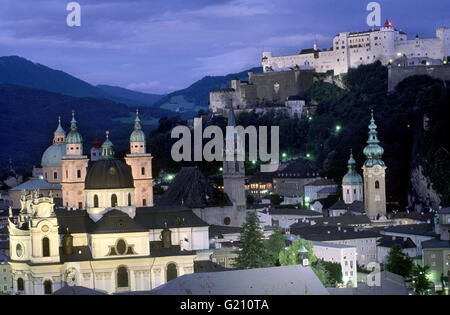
point(436, 243)
point(36, 184)
point(322, 182)
point(192, 189)
point(294, 211)
point(343, 220)
point(331, 233)
point(390, 241)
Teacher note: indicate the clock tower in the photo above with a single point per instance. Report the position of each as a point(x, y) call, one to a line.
point(374, 175)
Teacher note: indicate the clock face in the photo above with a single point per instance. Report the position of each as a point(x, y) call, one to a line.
point(112, 170)
point(44, 228)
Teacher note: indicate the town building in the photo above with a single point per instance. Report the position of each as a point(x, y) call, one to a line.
point(386, 243)
point(344, 255)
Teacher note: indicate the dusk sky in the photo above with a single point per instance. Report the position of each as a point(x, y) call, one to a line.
point(159, 46)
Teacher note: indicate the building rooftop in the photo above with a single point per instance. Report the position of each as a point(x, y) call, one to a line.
point(287, 280)
point(391, 241)
point(331, 233)
point(294, 211)
point(343, 220)
point(322, 182)
point(192, 189)
point(412, 229)
point(34, 183)
point(435, 243)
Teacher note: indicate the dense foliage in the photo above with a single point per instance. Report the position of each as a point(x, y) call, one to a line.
point(398, 262)
point(419, 279)
point(252, 252)
point(275, 245)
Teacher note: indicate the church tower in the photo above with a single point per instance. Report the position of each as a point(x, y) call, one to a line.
point(234, 171)
point(96, 150)
point(74, 167)
point(374, 175)
point(352, 183)
point(141, 166)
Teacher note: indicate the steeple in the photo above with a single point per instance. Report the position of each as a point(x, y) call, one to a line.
point(59, 136)
point(74, 137)
point(373, 151)
point(352, 183)
point(231, 117)
point(137, 138)
point(107, 148)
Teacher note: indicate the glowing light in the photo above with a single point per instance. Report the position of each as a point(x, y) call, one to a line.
point(284, 155)
point(338, 128)
point(253, 162)
point(170, 177)
point(221, 169)
point(308, 155)
point(399, 54)
point(310, 118)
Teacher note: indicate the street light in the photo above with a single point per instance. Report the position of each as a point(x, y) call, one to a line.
point(338, 128)
point(284, 155)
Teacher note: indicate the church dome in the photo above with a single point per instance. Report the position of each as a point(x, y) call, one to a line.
point(352, 179)
point(109, 174)
point(53, 155)
point(74, 137)
point(137, 135)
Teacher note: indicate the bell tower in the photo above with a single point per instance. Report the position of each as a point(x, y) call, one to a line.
point(141, 166)
point(374, 175)
point(234, 171)
point(74, 168)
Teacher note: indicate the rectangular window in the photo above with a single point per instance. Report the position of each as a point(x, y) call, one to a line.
point(144, 202)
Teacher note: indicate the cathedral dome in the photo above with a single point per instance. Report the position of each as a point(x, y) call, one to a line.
point(53, 155)
point(109, 174)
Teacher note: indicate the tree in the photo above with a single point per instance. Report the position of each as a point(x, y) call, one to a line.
point(289, 256)
point(250, 199)
point(334, 272)
point(252, 252)
point(276, 199)
point(398, 262)
point(419, 279)
point(275, 245)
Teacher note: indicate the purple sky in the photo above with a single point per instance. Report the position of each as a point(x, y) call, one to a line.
point(158, 46)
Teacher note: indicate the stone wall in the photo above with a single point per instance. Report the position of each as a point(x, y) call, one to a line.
point(398, 74)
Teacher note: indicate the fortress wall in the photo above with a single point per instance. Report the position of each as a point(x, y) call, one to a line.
point(398, 74)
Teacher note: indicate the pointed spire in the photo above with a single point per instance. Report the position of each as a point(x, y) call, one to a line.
point(73, 122)
point(373, 151)
point(231, 117)
point(137, 121)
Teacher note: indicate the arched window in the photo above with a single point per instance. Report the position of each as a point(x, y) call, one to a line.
point(114, 200)
point(78, 173)
point(55, 175)
point(95, 201)
point(143, 171)
point(122, 277)
point(172, 272)
point(129, 200)
point(20, 285)
point(47, 287)
point(377, 185)
point(45, 247)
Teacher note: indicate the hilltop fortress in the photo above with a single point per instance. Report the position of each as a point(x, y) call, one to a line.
point(352, 49)
point(284, 80)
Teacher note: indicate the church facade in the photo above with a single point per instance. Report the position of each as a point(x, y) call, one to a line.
point(108, 235)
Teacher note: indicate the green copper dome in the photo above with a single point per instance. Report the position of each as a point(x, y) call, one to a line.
point(373, 151)
point(352, 178)
point(137, 135)
point(74, 137)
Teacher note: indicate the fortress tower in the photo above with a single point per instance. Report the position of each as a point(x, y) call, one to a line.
point(74, 167)
point(141, 165)
point(374, 175)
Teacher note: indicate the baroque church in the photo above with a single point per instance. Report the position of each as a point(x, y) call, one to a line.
point(107, 234)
